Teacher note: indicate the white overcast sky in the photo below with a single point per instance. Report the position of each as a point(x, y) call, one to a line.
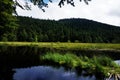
point(106, 11)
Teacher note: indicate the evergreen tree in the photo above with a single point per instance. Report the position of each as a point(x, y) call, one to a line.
point(7, 21)
point(66, 30)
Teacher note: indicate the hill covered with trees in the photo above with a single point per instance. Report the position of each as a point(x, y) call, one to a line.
point(66, 30)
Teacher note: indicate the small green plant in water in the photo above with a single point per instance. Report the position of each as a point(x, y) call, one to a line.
point(68, 60)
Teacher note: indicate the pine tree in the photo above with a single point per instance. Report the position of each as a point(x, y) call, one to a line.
point(7, 21)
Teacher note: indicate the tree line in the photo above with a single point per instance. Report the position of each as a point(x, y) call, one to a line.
point(65, 30)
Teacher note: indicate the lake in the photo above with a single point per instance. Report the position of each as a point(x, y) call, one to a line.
point(48, 73)
point(22, 63)
point(51, 73)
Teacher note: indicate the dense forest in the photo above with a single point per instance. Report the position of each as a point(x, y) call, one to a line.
point(66, 30)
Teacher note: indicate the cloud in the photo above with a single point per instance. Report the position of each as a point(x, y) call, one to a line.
point(106, 11)
point(115, 10)
point(47, 73)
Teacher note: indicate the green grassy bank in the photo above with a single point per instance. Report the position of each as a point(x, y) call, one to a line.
point(100, 66)
point(66, 45)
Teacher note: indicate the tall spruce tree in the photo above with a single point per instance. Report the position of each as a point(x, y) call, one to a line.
point(7, 21)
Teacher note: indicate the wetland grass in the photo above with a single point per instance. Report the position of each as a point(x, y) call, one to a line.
point(66, 45)
point(98, 65)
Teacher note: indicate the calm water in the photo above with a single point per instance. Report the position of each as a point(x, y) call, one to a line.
point(48, 73)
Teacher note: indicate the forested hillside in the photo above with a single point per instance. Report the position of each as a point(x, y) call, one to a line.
point(66, 30)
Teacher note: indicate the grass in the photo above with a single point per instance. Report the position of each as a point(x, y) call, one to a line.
point(99, 66)
point(65, 45)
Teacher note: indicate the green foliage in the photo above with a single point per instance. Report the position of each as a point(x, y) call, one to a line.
point(4, 37)
point(66, 30)
point(68, 60)
point(7, 21)
point(100, 65)
point(104, 61)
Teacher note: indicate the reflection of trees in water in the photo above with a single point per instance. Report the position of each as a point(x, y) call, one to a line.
point(13, 57)
point(6, 73)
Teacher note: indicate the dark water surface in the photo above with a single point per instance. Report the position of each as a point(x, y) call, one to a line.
point(19, 58)
point(48, 73)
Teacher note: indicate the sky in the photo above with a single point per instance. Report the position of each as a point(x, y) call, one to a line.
point(105, 11)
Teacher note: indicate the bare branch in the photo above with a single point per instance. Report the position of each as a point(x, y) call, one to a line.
point(41, 4)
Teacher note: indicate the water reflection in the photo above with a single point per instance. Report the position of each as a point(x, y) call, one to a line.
point(47, 73)
point(118, 62)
